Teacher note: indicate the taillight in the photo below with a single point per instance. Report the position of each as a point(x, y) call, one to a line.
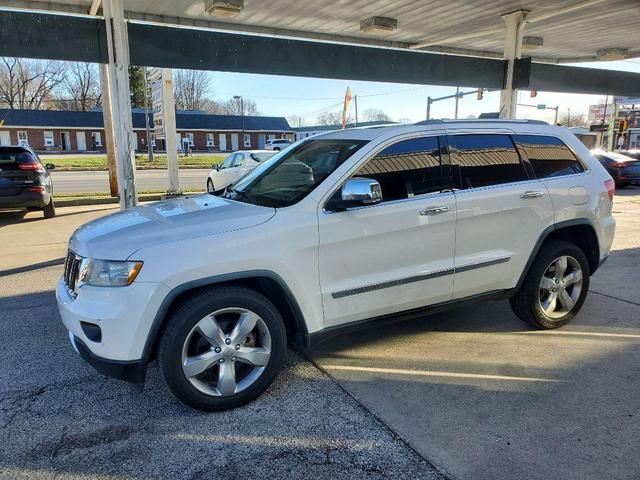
point(618, 164)
point(610, 185)
point(34, 167)
point(36, 189)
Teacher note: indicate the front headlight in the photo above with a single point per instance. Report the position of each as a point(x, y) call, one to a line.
point(108, 273)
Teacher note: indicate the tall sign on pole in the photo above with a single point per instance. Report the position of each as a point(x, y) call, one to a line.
point(164, 121)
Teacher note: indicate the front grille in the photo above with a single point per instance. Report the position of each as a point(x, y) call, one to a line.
point(71, 271)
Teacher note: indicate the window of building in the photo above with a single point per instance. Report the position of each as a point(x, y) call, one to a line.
point(48, 139)
point(548, 156)
point(23, 139)
point(210, 140)
point(97, 138)
point(189, 135)
point(272, 137)
point(247, 139)
point(483, 160)
point(405, 169)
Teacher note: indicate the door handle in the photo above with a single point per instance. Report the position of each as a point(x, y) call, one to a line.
point(532, 194)
point(435, 210)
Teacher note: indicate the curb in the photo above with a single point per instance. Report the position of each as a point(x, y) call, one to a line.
point(75, 202)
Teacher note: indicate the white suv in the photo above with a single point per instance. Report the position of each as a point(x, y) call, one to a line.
point(341, 229)
point(278, 144)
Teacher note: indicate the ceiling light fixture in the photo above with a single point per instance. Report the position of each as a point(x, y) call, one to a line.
point(531, 43)
point(378, 25)
point(223, 8)
point(607, 54)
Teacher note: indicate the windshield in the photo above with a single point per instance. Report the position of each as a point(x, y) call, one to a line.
point(291, 175)
point(261, 157)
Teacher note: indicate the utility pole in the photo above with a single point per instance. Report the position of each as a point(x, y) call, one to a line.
point(457, 98)
point(146, 115)
point(355, 104)
point(429, 102)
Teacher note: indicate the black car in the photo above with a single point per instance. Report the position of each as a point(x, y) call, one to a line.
point(623, 168)
point(24, 182)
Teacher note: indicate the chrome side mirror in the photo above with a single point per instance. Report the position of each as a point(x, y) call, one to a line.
point(50, 166)
point(360, 191)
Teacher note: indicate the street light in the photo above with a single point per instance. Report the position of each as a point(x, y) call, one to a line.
point(239, 98)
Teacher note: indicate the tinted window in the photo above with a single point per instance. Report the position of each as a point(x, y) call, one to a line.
point(405, 169)
point(11, 157)
point(484, 160)
point(548, 156)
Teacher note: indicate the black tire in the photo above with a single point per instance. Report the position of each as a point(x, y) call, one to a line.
point(526, 302)
point(187, 314)
point(210, 186)
point(49, 210)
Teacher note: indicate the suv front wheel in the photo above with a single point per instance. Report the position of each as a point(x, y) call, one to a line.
point(223, 346)
point(555, 286)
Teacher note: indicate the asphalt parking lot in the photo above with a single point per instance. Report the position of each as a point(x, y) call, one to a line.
point(466, 394)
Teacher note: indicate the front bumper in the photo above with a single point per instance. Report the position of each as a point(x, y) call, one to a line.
point(124, 316)
point(25, 200)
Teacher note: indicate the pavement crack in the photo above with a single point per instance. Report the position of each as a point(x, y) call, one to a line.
point(616, 298)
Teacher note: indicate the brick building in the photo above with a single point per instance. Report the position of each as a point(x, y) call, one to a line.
point(61, 131)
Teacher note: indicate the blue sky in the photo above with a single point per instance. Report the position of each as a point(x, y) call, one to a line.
point(284, 96)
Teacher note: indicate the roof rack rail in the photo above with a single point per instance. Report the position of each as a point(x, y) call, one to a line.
point(482, 120)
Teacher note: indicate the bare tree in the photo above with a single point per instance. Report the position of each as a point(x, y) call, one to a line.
point(80, 89)
point(191, 89)
point(375, 115)
point(233, 107)
point(28, 84)
point(329, 118)
point(296, 121)
point(569, 119)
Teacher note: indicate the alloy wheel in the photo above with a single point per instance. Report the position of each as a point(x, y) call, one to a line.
point(560, 286)
point(226, 351)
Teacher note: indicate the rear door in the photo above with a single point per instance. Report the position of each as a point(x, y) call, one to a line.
point(397, 254)
point(501, 211)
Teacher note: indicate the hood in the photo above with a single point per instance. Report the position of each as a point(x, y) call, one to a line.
point(117, 236)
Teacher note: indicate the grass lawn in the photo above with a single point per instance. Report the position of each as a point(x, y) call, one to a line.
point(99, 162)
point(79, 195)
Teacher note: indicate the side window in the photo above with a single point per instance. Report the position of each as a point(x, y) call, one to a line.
point(484, 159)
point(238, 160)
point(407, 168)
point(548, 156)
point(228, 161)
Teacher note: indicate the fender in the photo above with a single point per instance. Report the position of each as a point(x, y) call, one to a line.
point(298, 318)
point(543, 236)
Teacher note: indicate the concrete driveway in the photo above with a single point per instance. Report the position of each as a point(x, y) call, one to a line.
point(471, 393)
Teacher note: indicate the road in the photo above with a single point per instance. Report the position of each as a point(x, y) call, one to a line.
point(473, 392)
point(98, 181)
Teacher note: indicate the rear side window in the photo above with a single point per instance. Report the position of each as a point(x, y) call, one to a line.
point(484, 160)
point(548, 156)
point(405, 169)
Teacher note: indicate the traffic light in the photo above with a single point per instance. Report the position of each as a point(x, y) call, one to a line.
point(534, 93)
point(622, 126)
point(480, 93)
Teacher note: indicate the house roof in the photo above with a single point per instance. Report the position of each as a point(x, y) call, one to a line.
point(189, 120)
point(327, 128)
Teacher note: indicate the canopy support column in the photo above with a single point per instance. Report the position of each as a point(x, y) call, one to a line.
point(118, 83)
point(515, 22)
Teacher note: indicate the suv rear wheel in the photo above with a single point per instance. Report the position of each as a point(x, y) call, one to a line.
point(555, 286)
point(49, 210)
point(222, 348)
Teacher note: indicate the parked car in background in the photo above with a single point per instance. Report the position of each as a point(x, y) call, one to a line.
point(234, 166)
point(624, 167)
point(278, 144)
point(24, 181)
point(350, 226)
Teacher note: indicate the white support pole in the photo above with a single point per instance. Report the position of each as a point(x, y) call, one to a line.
point(169, 110)
point(118, 73)
point(515, 22)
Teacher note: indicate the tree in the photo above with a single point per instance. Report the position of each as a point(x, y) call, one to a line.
point(296, 121)
point(28, 84)
point(233, 107)
point(375, 115)
point(569, 119)
point(191, 89)
point(329, 118)
point(80, 89)
point(136, 84)
point(405, 120)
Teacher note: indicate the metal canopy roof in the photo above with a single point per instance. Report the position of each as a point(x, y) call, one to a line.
point(572, 30)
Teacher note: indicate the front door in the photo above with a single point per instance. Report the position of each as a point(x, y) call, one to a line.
point(82, 141)
point(234, 141)
point(66, 141)
point(501, 212)
point(261, 141)
point(222, 141)
point(395, 255)
point(5, 138)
